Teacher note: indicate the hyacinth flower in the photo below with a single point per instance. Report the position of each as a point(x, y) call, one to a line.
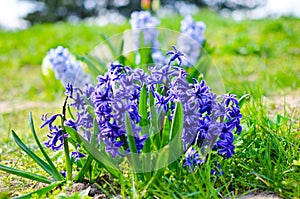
point(209, 121)
point(144, 29)
point(65, 67)
point(191, 40)
point(143, 23)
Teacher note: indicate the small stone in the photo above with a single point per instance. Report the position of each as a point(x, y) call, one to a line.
point(77, 187)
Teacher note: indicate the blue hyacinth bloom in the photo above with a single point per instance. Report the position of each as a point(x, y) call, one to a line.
point(191, 40)
point(66, 68)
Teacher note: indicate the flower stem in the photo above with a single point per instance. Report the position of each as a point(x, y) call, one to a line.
point(66, 145)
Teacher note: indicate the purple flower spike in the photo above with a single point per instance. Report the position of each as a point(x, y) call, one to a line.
point(56, 139)
point(66, 68)
point(162, 101)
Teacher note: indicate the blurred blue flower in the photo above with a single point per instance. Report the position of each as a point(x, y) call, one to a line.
point(77, 155)
point(143, 23)
point(66, 68)
point(191, 40)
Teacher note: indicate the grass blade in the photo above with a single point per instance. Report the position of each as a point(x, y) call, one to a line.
point(25, 174)
point(56, 174)
point(109, 44)
point(38, 160)
point(41, 191)
point(244, 99)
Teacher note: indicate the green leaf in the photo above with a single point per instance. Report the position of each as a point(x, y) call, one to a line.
point(177, 123)
point(41, 191)
point(56, 174)
point(144, 123)
point(95, 66)
point(84, 169)
point(166, 132)
point(201, 66)
point(131, 141)
point(176, 134)
point(38, 160)
point(99, 156)
point(121, 58)
point(143, 107)
point(153, 119)
point(159, 165)
point(25, 174)
point(90, 158)
point(130, 134)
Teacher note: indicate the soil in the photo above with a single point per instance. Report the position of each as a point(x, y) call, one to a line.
point(8, 107)
point(289, 103)
point(263, 195)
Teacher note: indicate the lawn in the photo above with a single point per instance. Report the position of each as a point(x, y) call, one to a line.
point(259, 57)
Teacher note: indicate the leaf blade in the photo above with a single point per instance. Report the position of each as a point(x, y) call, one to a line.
point(41, 191)
point(176, 135)
point(99, 156)
point(38, 160)
point(25, 174)
point(56, 174)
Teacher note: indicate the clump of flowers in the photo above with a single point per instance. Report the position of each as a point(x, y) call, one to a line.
point(209, 121)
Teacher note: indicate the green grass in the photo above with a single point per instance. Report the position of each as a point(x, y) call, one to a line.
point(258, 57)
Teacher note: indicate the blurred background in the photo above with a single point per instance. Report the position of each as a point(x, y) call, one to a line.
point(20, 14)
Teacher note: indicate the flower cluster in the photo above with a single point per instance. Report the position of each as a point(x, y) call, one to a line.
point(191, 39)
point(66, 68)
point(209, 121)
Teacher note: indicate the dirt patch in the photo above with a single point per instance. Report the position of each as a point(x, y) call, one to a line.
point(284, 103)
point(264, 195)
point(8, 107)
